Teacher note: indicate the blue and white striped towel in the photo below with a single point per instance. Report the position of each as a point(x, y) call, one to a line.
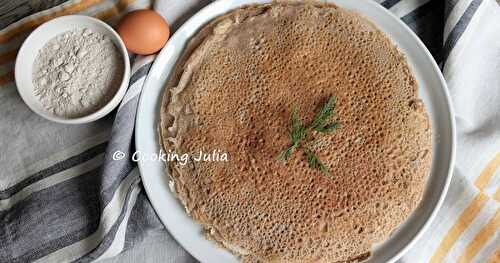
point(63, 199)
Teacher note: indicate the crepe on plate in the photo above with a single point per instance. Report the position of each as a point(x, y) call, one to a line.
point(234, 89)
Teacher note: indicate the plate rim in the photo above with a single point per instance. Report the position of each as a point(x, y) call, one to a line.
point(418, 42)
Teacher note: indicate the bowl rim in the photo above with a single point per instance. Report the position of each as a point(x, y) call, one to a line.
point(105, 109)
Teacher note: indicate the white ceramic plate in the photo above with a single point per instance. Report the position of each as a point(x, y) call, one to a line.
point(432, 89)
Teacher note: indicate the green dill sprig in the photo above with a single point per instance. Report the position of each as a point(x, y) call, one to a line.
point(319, 123)
point(328, 127)
point(298, 132)
point(315, 162)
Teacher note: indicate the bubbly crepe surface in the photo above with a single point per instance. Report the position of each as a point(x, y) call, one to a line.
point(235, 89)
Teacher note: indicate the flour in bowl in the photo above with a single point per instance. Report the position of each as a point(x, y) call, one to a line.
point(77, 72)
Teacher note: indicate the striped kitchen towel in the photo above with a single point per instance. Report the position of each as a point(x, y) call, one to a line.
point(63, 198)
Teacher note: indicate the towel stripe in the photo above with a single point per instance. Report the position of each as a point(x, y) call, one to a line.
point(480, 239)
point(7, 77)
point(8, 56)
point(140, 72)
point(389, 3)
point(113, 11)
point(459, 28)
point(418, 13)
point(71, 149)
point(403, 8)
point(459, 227)
point(135, 90)
point(9, 33)
point(469, 214)
point(109, 216)
point(52, 180)
point(113, 243)
point(118, 243)
point(495, 258)
point(488, 172)
point(59, 167)
point(454, 15)
point(7, 67)
point(72, 207)
point(449, 6)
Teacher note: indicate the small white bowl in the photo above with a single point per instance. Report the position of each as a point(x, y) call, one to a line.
point(38, 38)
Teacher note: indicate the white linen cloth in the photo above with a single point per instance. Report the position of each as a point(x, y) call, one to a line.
point(463, 35)
point(466, 228)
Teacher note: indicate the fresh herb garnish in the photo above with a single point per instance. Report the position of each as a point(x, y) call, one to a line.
point(298, 132)
point(324, 114)
point(314, 161)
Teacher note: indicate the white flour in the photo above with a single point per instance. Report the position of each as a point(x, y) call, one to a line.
point(77, 72)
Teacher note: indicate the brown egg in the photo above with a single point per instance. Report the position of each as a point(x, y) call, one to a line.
point(144, 31)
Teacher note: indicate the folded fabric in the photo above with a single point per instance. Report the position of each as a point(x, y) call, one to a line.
point(63, 198)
